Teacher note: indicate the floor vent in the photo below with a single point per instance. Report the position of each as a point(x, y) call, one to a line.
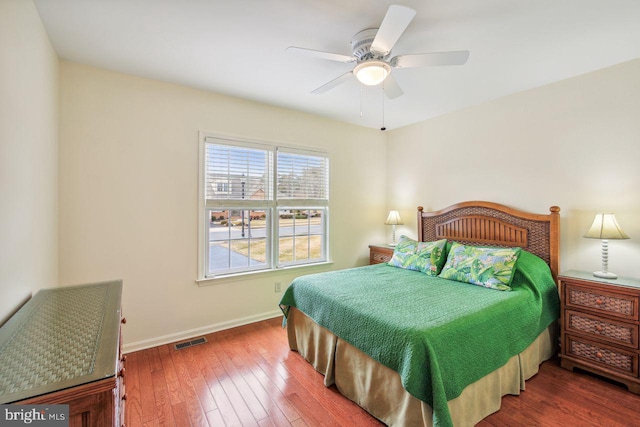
point(190, 343)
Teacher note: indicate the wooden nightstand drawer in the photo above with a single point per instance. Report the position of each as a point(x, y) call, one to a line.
point(603, 356)
point(378, 257)
point(379, 254)
point(601, 328)
point(623, 306)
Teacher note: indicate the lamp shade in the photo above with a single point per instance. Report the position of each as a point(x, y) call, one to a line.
point(394, 218)
point(605, 227)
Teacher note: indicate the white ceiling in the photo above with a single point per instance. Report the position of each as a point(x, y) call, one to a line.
point(237, 47)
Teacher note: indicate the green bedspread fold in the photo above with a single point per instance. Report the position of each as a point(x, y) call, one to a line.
point(439, 335)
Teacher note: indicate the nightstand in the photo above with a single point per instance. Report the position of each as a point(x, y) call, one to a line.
point(600, 326)
point(380, 253)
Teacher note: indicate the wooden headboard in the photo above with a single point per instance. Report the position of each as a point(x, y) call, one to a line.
point(487, 223)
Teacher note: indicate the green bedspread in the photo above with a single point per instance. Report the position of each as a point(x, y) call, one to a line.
point(439, 335)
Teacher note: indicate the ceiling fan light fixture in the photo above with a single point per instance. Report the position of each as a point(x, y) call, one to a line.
point(372, 73)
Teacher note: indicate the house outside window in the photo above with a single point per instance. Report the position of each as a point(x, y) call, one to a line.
point(262, 206)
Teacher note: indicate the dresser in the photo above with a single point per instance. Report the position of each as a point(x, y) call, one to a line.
point(600, 326)
point(63, 347)
point(380, 253)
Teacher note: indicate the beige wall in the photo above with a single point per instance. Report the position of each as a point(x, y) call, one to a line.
point(128, 197)
point(575, 144)
point(28, 156)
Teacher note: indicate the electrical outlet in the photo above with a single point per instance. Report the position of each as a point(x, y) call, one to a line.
point(278, 287)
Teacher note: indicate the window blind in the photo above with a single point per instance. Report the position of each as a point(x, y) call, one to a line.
point(235, 173)
point(302, 177)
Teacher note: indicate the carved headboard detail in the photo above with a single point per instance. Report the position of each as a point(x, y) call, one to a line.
point(482, 229)
point(486, 223)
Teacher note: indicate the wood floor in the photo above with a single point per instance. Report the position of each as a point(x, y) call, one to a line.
point(247, 376)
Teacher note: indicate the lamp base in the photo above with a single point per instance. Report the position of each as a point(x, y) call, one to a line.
point(605, 274)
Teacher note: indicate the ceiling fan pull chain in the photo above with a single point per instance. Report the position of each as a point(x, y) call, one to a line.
point(383, 128)
point(361, 100)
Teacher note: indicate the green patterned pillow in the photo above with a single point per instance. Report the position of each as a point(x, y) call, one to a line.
point(403, 252)
point(431, 256)
point(489, 267)
point(426, 257)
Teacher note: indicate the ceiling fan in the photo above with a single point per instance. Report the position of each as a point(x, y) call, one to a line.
point(371, 51)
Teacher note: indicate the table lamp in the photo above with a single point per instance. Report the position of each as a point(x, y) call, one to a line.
point(605, 227)
point(393, 219)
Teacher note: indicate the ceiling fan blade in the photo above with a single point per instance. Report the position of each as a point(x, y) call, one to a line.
point(320, 54)
point(333, 83)
point(393, 25)
point(391, 88)
point(430, 59)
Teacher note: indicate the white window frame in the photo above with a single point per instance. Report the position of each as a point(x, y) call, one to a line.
point(271, 206)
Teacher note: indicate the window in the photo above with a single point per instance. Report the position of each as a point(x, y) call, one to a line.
point(263, 207)
point(222, 187)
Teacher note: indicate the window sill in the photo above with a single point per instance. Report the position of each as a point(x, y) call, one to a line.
point(218, 280)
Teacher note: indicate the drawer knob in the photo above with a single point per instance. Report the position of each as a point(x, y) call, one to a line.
point(599, 301)
point(599, 355)
point(598, 328)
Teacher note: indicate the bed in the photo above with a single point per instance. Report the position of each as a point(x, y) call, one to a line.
point(415, 349)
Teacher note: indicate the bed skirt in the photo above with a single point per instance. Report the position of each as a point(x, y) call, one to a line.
point(379, 391)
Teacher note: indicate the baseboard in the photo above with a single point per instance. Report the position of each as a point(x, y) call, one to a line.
point(179, 336)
